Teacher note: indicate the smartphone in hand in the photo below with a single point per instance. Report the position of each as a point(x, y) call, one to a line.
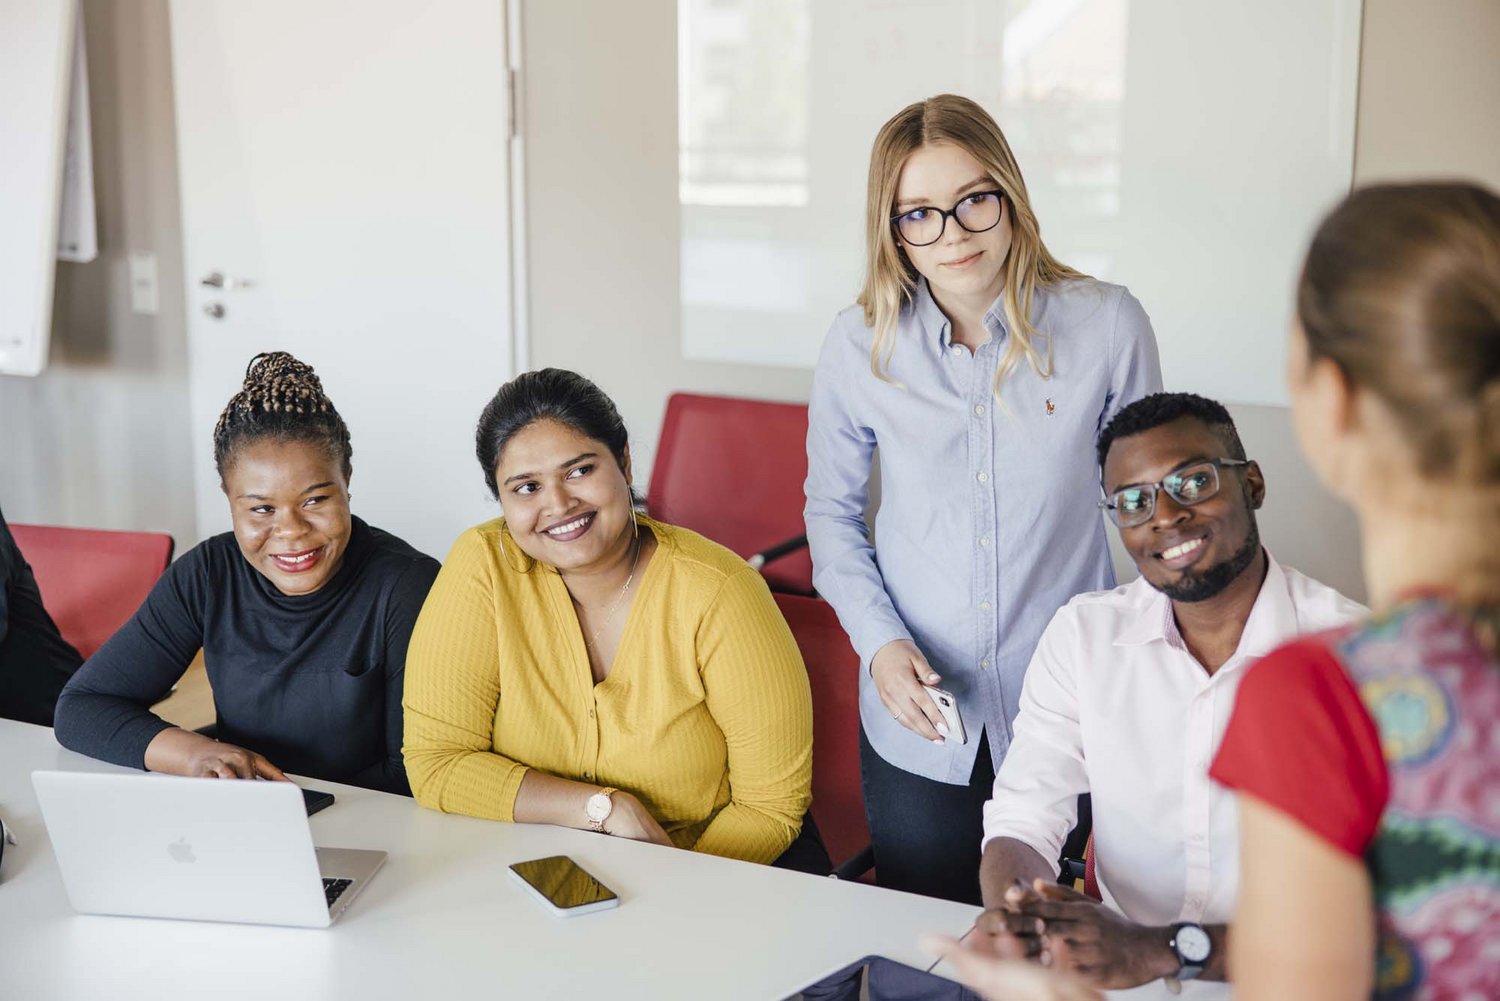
point(948, 706)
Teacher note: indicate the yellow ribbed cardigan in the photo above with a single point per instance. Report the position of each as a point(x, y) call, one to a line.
point(706, 714)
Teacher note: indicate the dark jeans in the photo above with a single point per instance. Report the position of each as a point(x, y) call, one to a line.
point(807, 853)
point(926, 834)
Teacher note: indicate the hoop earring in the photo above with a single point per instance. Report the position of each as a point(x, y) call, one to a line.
point(523, 567)
point(636, 521)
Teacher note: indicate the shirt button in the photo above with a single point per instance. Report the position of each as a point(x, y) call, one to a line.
point(985, 605)
point(984, 664)
point(979, 408)
point(591, 714)
point(588, 776)
point(984, 542)
point(984, 477)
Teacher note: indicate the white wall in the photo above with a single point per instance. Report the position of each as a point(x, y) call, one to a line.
point(601, 208)
point(102, 439)
point(601, 106)
point(1429, 91)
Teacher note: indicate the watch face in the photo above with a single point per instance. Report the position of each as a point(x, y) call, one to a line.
point(598, 807)
point(1193, 943)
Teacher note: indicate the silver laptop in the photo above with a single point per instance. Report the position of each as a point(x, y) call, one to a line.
point(204, 849)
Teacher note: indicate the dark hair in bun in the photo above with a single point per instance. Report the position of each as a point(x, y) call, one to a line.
point(282, 399)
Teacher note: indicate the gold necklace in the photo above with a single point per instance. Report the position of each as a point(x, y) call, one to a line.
point(614, 606)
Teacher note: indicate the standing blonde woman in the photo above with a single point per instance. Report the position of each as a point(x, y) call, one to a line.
point(982, 368)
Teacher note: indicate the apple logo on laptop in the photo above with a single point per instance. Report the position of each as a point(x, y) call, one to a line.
point(181, 851)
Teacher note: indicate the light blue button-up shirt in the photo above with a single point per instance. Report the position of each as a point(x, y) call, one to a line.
point(988, 518)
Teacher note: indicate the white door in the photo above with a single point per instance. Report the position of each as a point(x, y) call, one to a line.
point(344, 168)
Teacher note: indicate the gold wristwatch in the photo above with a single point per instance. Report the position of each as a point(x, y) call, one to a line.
point(599, 807)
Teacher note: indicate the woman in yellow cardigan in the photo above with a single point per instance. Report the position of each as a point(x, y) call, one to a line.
point(577, 664)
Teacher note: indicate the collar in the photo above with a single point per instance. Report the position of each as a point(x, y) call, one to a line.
point(1272, 620)
point(936, 326)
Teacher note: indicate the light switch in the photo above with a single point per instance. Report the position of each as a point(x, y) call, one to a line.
point(143, 289)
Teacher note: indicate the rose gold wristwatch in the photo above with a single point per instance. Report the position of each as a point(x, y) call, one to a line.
point(599, 807)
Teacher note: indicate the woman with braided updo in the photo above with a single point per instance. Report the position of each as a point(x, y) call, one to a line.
point(303, 613)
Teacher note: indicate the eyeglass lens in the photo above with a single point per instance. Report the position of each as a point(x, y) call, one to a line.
point(976, 213)
point(1135, 505)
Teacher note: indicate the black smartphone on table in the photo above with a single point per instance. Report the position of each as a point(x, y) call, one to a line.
point(316, 800)
point(563, 886)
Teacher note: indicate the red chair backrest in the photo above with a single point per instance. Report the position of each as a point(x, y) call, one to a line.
point(92, 581)
point(1090, 876)
point(733, 470)
point(833, 670)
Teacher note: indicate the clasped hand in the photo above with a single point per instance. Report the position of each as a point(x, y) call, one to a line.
point(629, 818)
point(1068, 931)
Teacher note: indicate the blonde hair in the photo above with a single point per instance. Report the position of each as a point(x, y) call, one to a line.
point(890, 278)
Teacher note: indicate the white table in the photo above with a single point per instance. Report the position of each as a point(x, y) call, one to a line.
point(444, 918)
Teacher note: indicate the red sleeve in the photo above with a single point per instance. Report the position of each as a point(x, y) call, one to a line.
point(1300, 739)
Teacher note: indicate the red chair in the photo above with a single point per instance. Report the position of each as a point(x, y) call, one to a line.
point(838, 804)
point(92, 581)
point(1074, 870)
point(733, 469)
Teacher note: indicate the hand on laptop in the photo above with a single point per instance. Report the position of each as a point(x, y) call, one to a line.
point(182, 752)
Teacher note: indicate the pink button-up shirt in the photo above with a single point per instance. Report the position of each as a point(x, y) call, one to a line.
point(1115, 705)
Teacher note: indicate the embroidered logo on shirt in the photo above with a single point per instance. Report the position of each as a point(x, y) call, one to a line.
point(1051, 408)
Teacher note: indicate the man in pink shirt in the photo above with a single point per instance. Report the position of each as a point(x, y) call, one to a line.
point(1127, 697)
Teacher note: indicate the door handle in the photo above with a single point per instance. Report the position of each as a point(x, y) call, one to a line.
point(217, 279)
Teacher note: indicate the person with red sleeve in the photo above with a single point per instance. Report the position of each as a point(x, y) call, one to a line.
point(1368, 759)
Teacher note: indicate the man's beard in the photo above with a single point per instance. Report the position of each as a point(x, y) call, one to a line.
point(1209, 583)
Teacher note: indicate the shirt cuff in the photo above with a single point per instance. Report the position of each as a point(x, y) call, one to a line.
point(999, 825)
point(140, 735)
point(874, 632)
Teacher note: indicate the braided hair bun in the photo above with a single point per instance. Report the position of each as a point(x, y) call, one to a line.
point(281, 399)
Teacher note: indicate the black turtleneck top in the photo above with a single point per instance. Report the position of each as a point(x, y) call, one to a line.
point(313, 682)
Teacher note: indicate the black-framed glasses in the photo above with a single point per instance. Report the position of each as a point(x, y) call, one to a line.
point(1189, 484)
point(925, 224)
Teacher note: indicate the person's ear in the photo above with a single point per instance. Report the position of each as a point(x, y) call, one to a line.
point(1255, 485)
point(1336, 396)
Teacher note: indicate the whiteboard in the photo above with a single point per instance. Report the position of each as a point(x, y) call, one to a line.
point(1186, 150)
point(36, 42)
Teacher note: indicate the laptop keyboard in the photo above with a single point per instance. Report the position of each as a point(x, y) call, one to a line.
point(333, 889)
